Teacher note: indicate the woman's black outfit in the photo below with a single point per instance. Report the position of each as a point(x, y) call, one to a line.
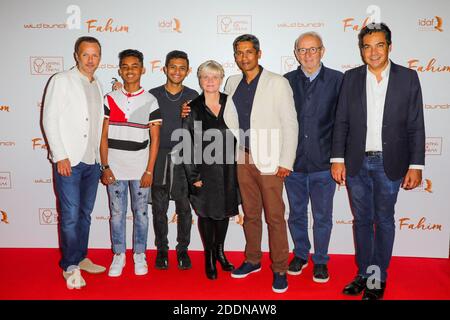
point(218, 198)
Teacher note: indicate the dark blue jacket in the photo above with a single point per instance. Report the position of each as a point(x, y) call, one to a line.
point(403, 131)
point(315, 103)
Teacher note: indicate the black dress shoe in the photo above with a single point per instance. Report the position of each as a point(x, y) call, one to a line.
point(356, 286)
point(375, 293)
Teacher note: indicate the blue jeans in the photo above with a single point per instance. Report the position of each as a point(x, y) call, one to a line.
point(372, 197)
point(76, 195)
point(118, 204)
point(320, 188)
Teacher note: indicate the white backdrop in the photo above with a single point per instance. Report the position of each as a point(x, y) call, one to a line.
point(37, 41)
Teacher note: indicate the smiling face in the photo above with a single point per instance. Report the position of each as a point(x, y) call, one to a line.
point(375, 51)
point(176, 70)
point(88, 58)
point(310, 61)
point(131, 70)
point(246, 56)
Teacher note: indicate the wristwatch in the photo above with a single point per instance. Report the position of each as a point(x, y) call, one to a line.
point(104, 167)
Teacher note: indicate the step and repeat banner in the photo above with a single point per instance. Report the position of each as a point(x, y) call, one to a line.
point(37, 39)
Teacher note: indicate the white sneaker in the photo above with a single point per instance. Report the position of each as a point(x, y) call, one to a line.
point(140, 264)
point(115, 270)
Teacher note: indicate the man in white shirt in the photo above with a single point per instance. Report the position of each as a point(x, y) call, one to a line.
point(72, 120)
point(378, 146)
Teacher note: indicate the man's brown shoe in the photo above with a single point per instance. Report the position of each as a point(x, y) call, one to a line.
point(87, 265)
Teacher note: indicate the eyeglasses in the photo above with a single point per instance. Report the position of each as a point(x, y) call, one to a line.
point(312, 50)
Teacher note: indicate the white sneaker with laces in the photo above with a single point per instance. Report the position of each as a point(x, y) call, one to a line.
point(140, 264)
point(115, 270)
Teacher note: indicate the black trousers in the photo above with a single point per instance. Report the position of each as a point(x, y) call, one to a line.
point(212, 232)
point(160, 204)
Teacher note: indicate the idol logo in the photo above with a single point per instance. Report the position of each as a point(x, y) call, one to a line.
point(4, 217)
point(171, 25)
point(48, 216)
point(431, 24)
point(234, 24)
point(46, 65)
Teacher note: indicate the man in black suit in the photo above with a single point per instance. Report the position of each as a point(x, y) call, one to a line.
point(378, 146)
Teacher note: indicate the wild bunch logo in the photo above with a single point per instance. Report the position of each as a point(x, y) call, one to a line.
point(436, 106)
point(7, 144)
point(93, 25)
point(4, 218)
point(431, 24)
point(430, 66)
point(45, 26)
point(420, 225)
point(300, 25)
point(170, 25)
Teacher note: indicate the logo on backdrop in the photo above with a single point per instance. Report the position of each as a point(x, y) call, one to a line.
point(430, 66)
point(234, 24)
point(422, 224)
point(7, 144)
point(4, 108)
point(4, 217)
point(300, 25)
point(349, 66)
point(425, 186)
point(238, 219)
point(46, 65)
point(45, 26)
point(170, 25)
point(437, 106)
point(48, 180)
point(5, 180)
point(48, 216)
point(430, 24)
point(433, 146)
point(38, 143)
point(230, 67)
point(288, 63)
point(94, 25)
point(105, 66)
point(373, 15)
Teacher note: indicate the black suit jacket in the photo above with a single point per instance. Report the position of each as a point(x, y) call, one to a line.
point(403, 131)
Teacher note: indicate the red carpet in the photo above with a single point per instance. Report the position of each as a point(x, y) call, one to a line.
point(34, 274)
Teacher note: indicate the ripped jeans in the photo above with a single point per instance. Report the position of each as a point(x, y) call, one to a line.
point(118, 204)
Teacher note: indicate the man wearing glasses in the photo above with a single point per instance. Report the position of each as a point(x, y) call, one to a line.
point(316, 91)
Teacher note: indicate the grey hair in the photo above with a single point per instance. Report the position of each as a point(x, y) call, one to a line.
point(210, 66)
point(310, 34)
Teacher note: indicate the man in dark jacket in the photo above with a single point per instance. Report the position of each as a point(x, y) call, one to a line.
point(316, 91)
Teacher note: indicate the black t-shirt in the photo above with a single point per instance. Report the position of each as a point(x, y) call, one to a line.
point(170, 105)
